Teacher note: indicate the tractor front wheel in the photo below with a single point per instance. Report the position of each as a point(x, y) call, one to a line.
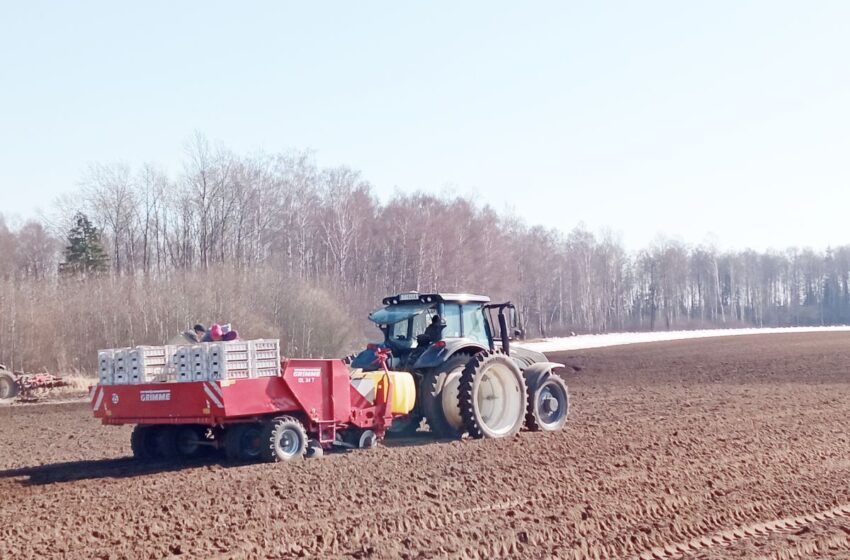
point(548, 405)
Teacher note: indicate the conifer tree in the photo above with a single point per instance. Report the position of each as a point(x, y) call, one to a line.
point(84, 253)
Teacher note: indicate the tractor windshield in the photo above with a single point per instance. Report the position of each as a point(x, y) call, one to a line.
point(393, 314)
point(403, 322)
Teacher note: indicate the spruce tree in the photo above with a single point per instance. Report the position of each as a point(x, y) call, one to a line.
point(84, 253)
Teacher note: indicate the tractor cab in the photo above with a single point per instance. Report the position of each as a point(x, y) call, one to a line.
point(404, 318)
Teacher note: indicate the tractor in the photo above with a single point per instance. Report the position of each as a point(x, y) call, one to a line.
point(25, 386)
point(472, 379)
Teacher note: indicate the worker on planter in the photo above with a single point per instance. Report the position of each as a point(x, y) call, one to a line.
point(220, 333)
point(214, 334)
point(196, 334)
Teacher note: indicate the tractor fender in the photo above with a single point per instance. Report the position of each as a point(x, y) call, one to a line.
point(525, 357)
point(540, 371)
point(434, 356)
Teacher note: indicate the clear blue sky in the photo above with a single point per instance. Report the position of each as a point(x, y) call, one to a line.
point(684, 118)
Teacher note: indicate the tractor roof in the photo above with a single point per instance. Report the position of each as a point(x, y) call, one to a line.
point(410, 297)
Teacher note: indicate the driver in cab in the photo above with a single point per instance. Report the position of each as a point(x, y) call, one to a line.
point(434, 331)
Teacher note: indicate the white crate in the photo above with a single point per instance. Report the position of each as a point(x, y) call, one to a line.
point(149, 364)
point(183, 363)
point(265, 357)
point(149, 356)
point(104, 366)
point(121, 366)
point(171, 364)
point(199, 362)
point(229, 360)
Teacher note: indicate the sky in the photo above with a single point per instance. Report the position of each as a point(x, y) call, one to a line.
point(709, 122)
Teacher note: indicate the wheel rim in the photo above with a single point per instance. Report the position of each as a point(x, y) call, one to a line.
point(498, 399)
point(289, 442)
point(367, 439)
point(551, 404)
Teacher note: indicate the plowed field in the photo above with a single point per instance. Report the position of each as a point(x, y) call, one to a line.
point(721, 448)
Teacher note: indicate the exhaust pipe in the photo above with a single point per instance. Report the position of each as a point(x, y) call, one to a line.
point(503, 329)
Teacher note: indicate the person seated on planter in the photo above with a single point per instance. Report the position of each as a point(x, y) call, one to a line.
point(196, 334)
point(228, 334)
point(214, 334)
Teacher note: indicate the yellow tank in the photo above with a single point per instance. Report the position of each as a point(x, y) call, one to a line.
point(402, 383)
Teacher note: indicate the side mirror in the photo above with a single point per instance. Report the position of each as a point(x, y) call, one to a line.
point(518, 334)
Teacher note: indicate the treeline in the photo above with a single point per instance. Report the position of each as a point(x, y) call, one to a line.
point(279, 246)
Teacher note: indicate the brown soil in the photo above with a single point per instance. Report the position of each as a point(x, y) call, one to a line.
point(667, 444)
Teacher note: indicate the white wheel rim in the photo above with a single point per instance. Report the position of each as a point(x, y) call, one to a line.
point(367, 439)
point(498, 399)
point(551, 405)
point(289, 442)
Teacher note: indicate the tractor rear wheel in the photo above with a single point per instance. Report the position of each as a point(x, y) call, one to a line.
point(492, 396)
point(245, 442)
point(9, 388)
point(548, 405)
point(286, 439)
point(439, 397)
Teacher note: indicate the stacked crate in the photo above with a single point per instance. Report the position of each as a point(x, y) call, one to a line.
point(150, 364)
point(105, 366)
point(229, 360)
point(121, 366)
point(265, 357)
point(191, 362)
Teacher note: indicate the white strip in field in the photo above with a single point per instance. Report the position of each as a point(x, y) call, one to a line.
point(584, 341)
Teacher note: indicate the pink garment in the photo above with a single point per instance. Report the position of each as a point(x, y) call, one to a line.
point(215, 332)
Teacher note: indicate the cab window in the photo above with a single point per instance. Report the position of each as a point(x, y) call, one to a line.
point(398, 331)
point(451, 315)
point(420, 322)
point(473, 323)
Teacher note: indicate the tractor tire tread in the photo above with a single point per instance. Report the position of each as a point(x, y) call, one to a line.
point(433, 383)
